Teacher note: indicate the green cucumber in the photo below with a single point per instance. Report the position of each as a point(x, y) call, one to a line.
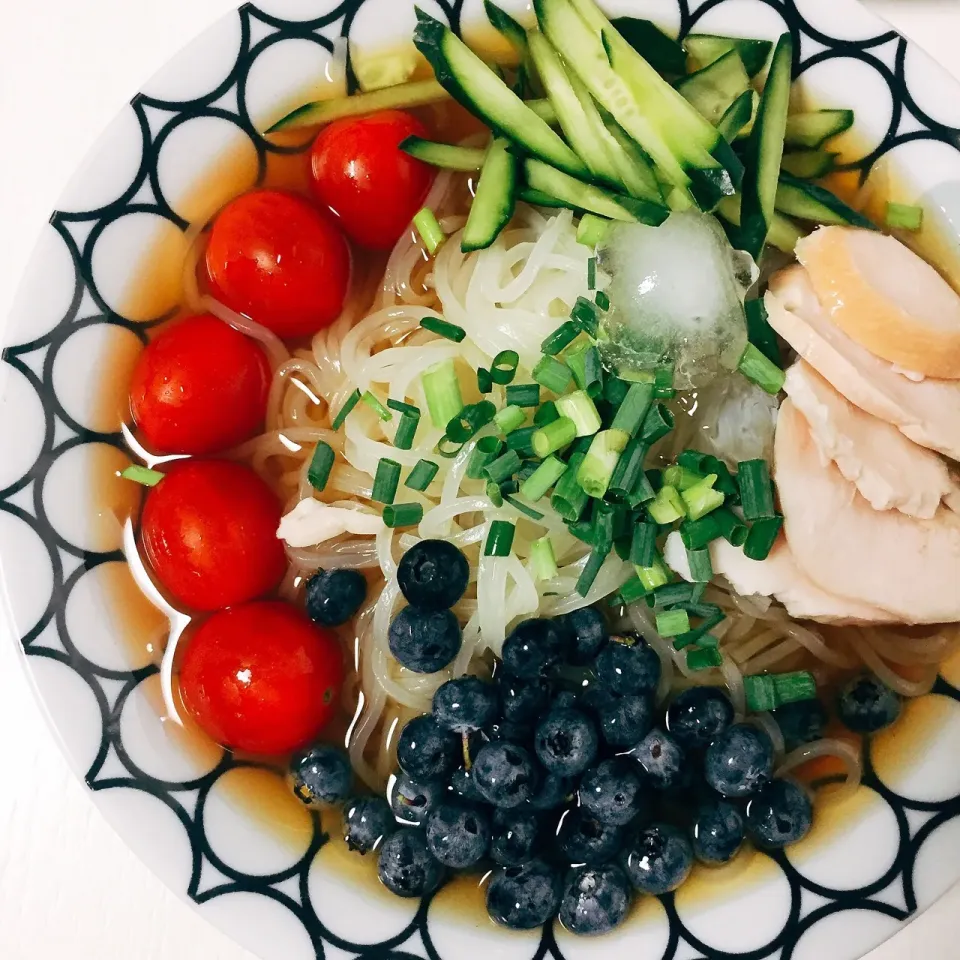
point(662, 52)
point(634, 168)
point(814, 129)
point(809, 164)
point(705, 49)
point(540, 199)
point(808, 201)
point(544, 110)
point(714, 89)
point(473, 84)
point(765, 150)
point(740, 116)
point(495, 199)
point(516, 36)
point(784, 234)
point(444, 155)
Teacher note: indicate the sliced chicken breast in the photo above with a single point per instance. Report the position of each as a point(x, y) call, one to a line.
point(885, 559)
point(890, 471)
point(885, 298)
point(927, 412)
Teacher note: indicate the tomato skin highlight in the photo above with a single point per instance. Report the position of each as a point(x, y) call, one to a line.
point(360, 172)
point(199, 387)
point(280, 261)
point(262, 678)
point(209, 532)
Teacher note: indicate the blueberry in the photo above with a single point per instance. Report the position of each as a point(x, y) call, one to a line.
point(413, 802)
point(611, 792)
point(509, 731)
point(699, 715)
point(552, 792)
point(406, 867)
point(465, 705)
point(458, 835)
point(366, 822)
point(661, 758)
point(718, 831)
point(658, 859)
point(523, 701)
point(595, 899)
point(515, 835)
point(565, 700)
point(525, 897)
point(334, 596)
point(801, 722)
point(321, 774)
point(739, 762)
point(586, 633)
point(534, 647)
point(425, 751)
point(566, 742)
point(628, 665)
point(623, 720)
point(424, 641)
point(582, 839)
point(465, 786)
point(504, 774)
point(780, 814)
point(433, 575)
point(867, 705)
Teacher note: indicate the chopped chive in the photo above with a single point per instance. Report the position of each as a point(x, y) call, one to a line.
point(586, 579)
point(683, 478)
point(760, 692)
point(429, 229)
point(376, 406)
point(795, 686)
point(494, 493)
point(657, 424)
point(320, 465)
point(579, 408)
point(447, 447)
point(348, 405)
point(763, 535)
point(449, 331)
point(633, 411)
point(504, 367)
point(406, 431)
point(654, 576)
point(756, 490)
point(150, 478)
point(730, 526)
point(672, 623)
point(527, 469)
point(667, 506)
point(500, 539)
point(552, 374)
point(696, 534)
point(701, 566)
point(692, 460)
point(591, 230)
point(758, 369)
point(402, 514)
point(701, 498)
point(402, 407)
point(615, 390)
point(522, 441)
point(643, 545)
point(663, 381)
point(643, 490)
point(543, 561)
point(592, 273)
point(582, 530)
point(385, 481)
point(421, 476)
point(672, 594)
point(602, 522)
point(469, 420)
point(584, 315)
point(509, 418)
point(523, 508)
point(602, 300)
point(628, 472)
point(562, 337)
point(486, 451)
point(484, 380)
point(597, 469)
point(632, 591)
point(523, 394)
point(569, 499)
point(759, 331)
point(703, 658)
point(587, 369)
point(725, 482)
point(546, 413)
point(902, 216)
point(543, 478)
point(553, 436)
point(441, 387)
point(503, 468)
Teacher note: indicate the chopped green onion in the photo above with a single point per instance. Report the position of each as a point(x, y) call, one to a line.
point(603, 521)
point(696, 534)
point(441, 387)
point(385, 481)
point(447, 447)
point(523, 507)
point(628, 472)
point(725, 482)
point(672, 594)
point(504, 367)
point(469, 420)
point(756, 490)
point(376, 406)
point(672, 623)
point(402, 514)
point(683, 478)
point(586, 579)
point(320, 466)
point(500, 539)
point(602, 300)
point(654, 576)
point(759, 331)
point(584, 314)
point(579, 408)
point(702, 498)
point(429, 229)
point(701, 566)
point(763, 535)
point(591, 230)
point(643, 545)
point(546, 414)
point(587, 368)
point(703, 659)
point(553, 436)
point(663, 381)
point(486, 451)
point(522, 441)
point(402, 407)
point(795, 686)
point(667, 507)
point(902, 216)
point(150, 478)
point(592, 273)
point(543, 561)
point(657, 424)
point(760, 692)
point(543, 478)
point(527, 469)
point(693, 461)
point(569, 498)
point(406, 431)
point(494, 493)
point(632, 591)
point(523, 394)
point(596, 471)
point(643, 491)
point(484, 380)
point(731, 528)
point(633, 411)
point(552, 374)
point(503, 468)
point(582, 530)
point(508, 419)
point(449, 331)
point(350, 403)
point(421, 476)
point(615, 390)
point(758, 369)
point(561, 338)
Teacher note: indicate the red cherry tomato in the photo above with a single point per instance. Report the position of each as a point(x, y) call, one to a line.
point(199, 387)
point(280, 261)
point(209, 531)
point(262, 678)
point(360, 172)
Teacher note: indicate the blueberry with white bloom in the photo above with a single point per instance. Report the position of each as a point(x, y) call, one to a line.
point(458, 835)
point(595, 899)
point(628, 665)
point(514, 836)
point(533, 648)
point(867, 705)
point(425, 751)
point(611, 792)
point(413, 802)
point(739, 762)
point(504, 774)
point(658, 859)
point(780, 814)
point(582, 839)
point(525, 897)
point(623, 720)
point(699, 715)
point(334, 596)
point(321, 774)
point(406, 866)
point(587, 632)
point(718, 831)
point(662, 760)
point(465, 705)
point(433, 575)
point(566, 742)
point(424, 641)
point(367, 821)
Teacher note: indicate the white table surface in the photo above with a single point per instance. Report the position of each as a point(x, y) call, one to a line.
point(69, 888)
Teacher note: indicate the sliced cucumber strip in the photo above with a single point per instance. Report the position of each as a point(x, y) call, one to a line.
point(809, 164)
point(704, 49)
point(444, 155)
point(516, 36)
point(544, 110)
point(632, 164)
point(765, 151)
point(539, 199)
point(784, 234)
point(716, 87)
point(415, 94)
point(740, 116)
point(471, 82)
point(663, 53)
point(808, 201)
point(495, 199)
point(814, 129)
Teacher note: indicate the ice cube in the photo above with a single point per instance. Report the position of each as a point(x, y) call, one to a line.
point(676, 294)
